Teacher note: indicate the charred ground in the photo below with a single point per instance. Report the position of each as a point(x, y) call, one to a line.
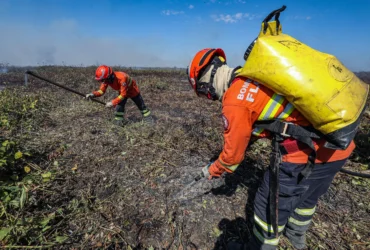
point(74, 180)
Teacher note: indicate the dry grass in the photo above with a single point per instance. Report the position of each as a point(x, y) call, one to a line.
point(109, 187)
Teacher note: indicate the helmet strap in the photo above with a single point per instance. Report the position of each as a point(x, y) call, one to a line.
point(206, 88)
point(110, 78)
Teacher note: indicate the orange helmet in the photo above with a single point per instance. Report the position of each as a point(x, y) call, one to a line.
point(196, 67)
point(103, 72)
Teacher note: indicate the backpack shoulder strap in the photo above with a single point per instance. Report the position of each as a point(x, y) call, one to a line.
point(287, 129)
point(233, 75)
point(281, 129)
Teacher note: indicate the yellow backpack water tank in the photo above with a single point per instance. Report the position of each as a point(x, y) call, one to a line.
point(329, 95)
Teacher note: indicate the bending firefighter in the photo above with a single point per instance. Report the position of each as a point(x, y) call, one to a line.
point(127, 88)
point(245, 104)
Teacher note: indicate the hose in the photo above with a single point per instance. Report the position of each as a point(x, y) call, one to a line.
point(358, 174)
point(61, 86)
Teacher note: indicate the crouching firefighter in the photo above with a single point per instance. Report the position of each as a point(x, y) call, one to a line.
point(127, 88)
point(303, 162)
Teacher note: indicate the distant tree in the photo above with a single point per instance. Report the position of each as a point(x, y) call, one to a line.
point(364, 76)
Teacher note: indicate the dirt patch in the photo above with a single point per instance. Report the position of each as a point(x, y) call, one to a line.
point(110, 187)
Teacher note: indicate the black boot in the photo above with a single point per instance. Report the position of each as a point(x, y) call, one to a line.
point(147, 117)
point(296, 235)
point(120, 123)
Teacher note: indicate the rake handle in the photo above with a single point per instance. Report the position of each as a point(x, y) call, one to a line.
point(61, 86)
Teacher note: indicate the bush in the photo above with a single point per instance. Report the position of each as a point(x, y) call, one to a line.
point(9, 155)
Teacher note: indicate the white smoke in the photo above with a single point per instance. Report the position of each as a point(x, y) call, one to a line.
point(3, 69)
point(61, 42)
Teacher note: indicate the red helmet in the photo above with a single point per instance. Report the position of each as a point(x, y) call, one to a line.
point(103, 72)
point(202, 59)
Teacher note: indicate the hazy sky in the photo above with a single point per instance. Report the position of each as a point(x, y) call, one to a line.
point(168, 33)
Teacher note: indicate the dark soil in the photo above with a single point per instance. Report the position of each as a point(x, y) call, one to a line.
point(111, 186)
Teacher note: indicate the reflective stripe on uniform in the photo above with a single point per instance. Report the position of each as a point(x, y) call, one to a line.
point(231, 167)
point(118, 118)
point(272, 107)
point(298, 222)
point(286, 112)
point(129, 81)
point(265, 226)
point(100, 91)
point(257, 131)
point(306, 211)
point(120, 97)
point(145, 113)
point(119, 113)
point(262, 239)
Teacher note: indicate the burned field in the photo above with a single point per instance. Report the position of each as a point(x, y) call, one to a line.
point(70, 179)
